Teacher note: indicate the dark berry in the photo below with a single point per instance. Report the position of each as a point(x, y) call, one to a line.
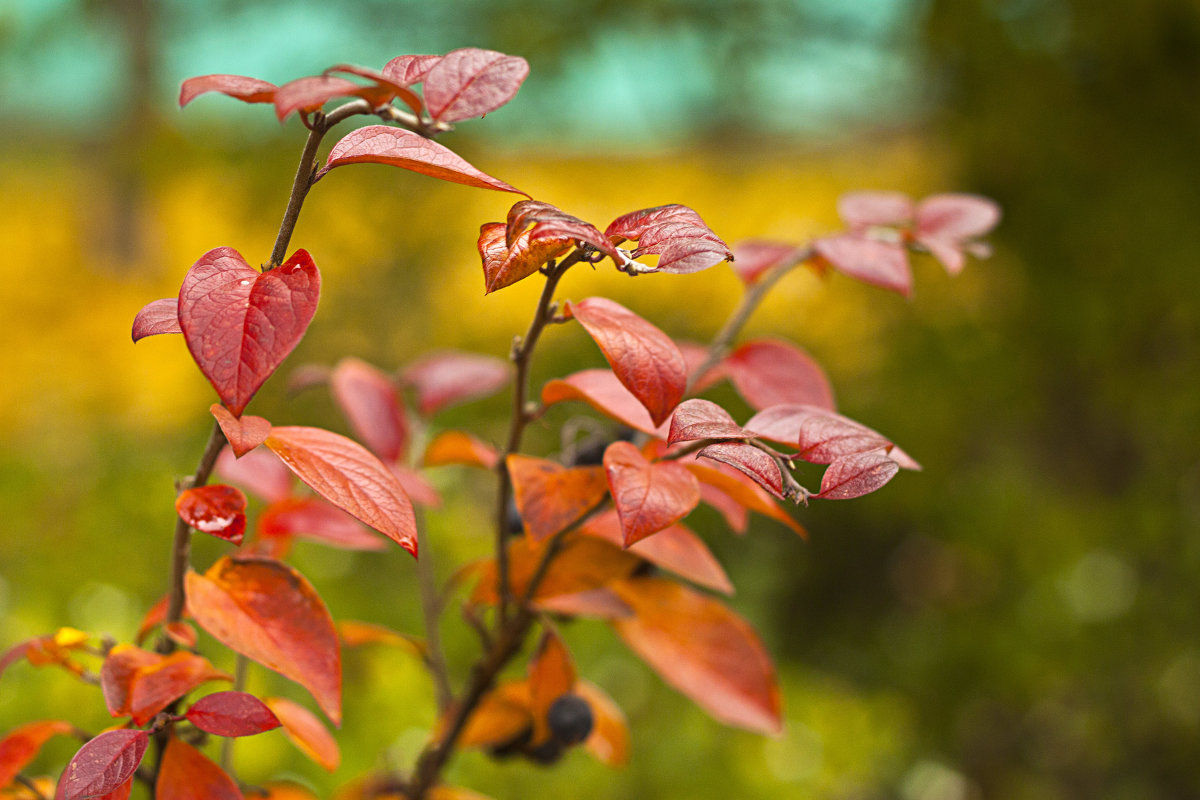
point(510, 747)
point(570, 719)
point(545, 753)
point(512, 518)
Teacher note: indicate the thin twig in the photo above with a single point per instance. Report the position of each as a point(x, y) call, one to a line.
point(31, 786)
point(431, 610)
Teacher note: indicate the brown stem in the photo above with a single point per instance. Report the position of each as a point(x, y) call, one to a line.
point(31, 786)
point(431, 610)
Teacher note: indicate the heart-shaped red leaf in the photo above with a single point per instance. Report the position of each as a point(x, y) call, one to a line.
point(314, 519)
point(857, 474)
point(158, 316)
point(305, 731)
point(504, 265)
point(703, 419)
point(862, 210)
point(188, 774)
point(104, 763)
point(347, 475)
point(231, 714)
point(768, 372)
point(449, 378)
point(753, 259)
point(217, 510)
point(881, 263)
point(22, 744)
point(244, 433)
point(704, 650)
point(550, 496)
point(240, 324)
point(248, 90)
point(643, 358)
point(370, 401)
point(382, 144)
point(603, 391)
point(648, 496)
point(750, 460)
point(407, 70)
point(269, 613)
point(674, 548)
point(471, 82)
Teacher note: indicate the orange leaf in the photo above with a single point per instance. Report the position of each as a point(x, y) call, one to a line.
point(188, 774)
point(504, 265)
point(269, 613)
point(648, 496)
point(551, 675)
point(22, 744)
point(550, 496)
point(583, 563)
point(745, 492)
point(503, 714)
point(602, 390)
point(244, 433)
point(357, 634)
point(704, 650)
point(609, 740)
point(306, 732)
point(347, 475)
point(457, 447)
point(643, 358)
point(674, 548)
point(140, 684)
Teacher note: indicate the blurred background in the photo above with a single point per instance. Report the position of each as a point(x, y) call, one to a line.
point(1017, 621)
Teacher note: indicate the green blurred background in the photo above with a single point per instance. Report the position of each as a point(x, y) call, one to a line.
point(1017, 621)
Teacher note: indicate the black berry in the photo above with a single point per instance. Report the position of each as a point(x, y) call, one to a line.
point(570, 719)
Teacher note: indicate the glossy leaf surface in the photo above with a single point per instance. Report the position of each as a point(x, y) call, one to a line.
point(188, 774)
point(347, 475)
point(371, 403)
point(248, 90)
point(216, 509)
point(448, 378)
point(648, 496)
point(857, 474)
point(243, 433)
point(643, 358)
point(767, 372)
point(232, 714)
point(470, 82)
point(382, 144)
point(704, 650)
point(306, 732)
point(674, 548)
point(269, 613)
point(603, 391)
point(158, 316)
point(550, 496)
point(241, 324)
point(104, 763)
point(21, 745)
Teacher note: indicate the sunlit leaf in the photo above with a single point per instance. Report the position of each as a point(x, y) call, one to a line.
point(347, 475)
point(674, 548)
point(603, 391)
point(21, 745)
point(643, 358)
point(878, 262)
point(704, 650)
point(217, 510)
point(857, 474)
point(371, 403)
point(306, 732)
point(314, 519)
point(550, 496)
point(383, 144)
point(648, 496)
point(448, 378)
point(241, 324)
point(767, 372)
point(188, 774)
point(471, 82)
point(504, 265)
point(269, 613)
point(248, 90)
point(104, 763)
point(158, 316)
point(231, 714)
point(243, 433)
point(458, 447)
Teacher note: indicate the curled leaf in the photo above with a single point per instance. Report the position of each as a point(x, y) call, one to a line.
point(158, 316)
point(217, 510)
point(407, 70)
point(306, 732)
point(244, 433)
point(550, 223)
point(676, 234)
point(504, 265)
point(239, 87)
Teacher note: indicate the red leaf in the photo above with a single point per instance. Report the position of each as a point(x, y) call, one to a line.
point(677, 234)
point(703, 419)
point(416, 486)
point(750, 460)
point(550, 496)
point(582, 564)
point(643, 358)
point(877, 262)
point(674, 548)
point(862, 210)
point(259, 472)
point(309, 94)
point(505, 265)
point(753, 259)
point(21, 745)
point(306, 732)
point(704, 650)
point(553, 224)
point(821, 435)
point(187, 774)
point(158, 316)
point(857, 474)
point(347, 475)
point(269, 613)
point(382, 144)
point(217, 510)
point(104, 763)
point(139, 684)
point(122, 792)
point(737, 487)
point(240, 324)
point(370, 401)
point(602, 390)
point(767, 372)
point(248, 90)
point(407, 70)
point(449, 378)
point(383, 89)
point(471, 82)
point(648, 496)
point(947, 222)
point(231, 714)
point(457, 447)
point(313, 518)
point(244, 433)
